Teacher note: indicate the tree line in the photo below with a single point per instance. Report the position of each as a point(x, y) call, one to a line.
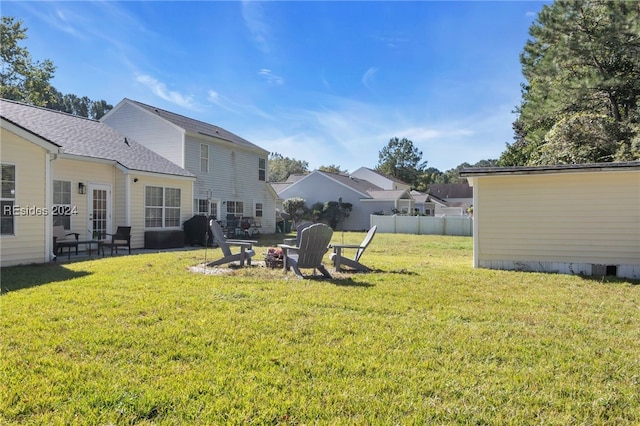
point(25, 80)
point(580, 101)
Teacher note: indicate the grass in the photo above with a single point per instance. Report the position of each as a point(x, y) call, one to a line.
point(425, 339)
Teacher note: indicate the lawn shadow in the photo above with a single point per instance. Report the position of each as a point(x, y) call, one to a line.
point(609, 279)
point(341, 280)
point(21, 277)
point(398, 271)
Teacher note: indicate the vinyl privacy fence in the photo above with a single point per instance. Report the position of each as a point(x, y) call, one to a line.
point(424, 225)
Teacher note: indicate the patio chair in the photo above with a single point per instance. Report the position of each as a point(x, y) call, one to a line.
point(246, 250)
point(296, 241)
point(338, 259)
point(61, 240)
point(314, 243)
point(121, 238)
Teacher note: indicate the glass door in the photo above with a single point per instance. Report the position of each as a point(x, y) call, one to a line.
point(99, 210)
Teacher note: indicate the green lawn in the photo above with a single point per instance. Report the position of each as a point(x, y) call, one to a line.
point(425, 339)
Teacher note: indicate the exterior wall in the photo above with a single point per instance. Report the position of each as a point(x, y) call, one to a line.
point(28, 244)
point(107, 174)
point(564, 222)
point(78, 171)
point(148, 130)
point(232, 176)
point(137, 202)
point(315, 188)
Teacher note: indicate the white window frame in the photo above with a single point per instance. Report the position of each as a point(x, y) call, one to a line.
point(199, 203)
point(235, 209)
point(258, 209)
point(204, 158)
point(61, 204)
point(262, 169)
point(166, 205)
point(8, 199)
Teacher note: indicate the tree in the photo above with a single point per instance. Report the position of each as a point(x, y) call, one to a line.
point(335, 212)
point(22, 79)
point(400, 159)
point(583, 57)
point(281, 167)
point(332, 169)
point(295, 208)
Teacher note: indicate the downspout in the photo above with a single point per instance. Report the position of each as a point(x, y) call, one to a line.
point(127, 198)
point(48, 224)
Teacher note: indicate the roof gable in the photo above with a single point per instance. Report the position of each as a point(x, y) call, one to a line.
point(84, 137)
point(196, 126)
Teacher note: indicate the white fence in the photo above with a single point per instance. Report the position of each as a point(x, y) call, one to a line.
point(422, 225)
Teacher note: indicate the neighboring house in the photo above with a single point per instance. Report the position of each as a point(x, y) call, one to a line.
point(423, 205)
point(449, 199)
point(82, 174)
point(379, 179)
point(231, 172)
point(575, 219)
point(365, 197)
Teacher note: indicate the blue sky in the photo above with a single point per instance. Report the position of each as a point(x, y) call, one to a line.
point(325, 82)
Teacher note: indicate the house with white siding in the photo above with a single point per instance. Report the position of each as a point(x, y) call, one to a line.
point(231, 172)
point(82, 174)
point(573, 219)
point(365, 197)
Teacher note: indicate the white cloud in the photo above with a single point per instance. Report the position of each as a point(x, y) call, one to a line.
point(368, 77)
point(253, 15)
point(160, 89)
point(270, 77)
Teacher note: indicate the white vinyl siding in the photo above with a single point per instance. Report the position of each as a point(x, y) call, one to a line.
point(580, 217)
point(138, 190)
point(27, 243)
point(149, 130)
point(233, 169)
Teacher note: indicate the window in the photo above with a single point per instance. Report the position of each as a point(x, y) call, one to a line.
point(258, 210)
point(8, 199)
point(262, 169)
point(172, 207)
point(161, 207)
point(214, 209)
point(62, 203)
point(204, 158)
point(202, 207)
point(235, 207)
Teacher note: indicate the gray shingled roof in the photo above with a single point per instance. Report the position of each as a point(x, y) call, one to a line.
point(196, 126)
point(86, 138)
point(360, 185)
point(445, 191)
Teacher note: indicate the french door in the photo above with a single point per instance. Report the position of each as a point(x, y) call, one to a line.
point(99, 209)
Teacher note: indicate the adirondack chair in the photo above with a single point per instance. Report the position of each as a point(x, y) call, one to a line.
point(246, 251)
point(314, 243)
point(338, 259)
point(296, 241)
